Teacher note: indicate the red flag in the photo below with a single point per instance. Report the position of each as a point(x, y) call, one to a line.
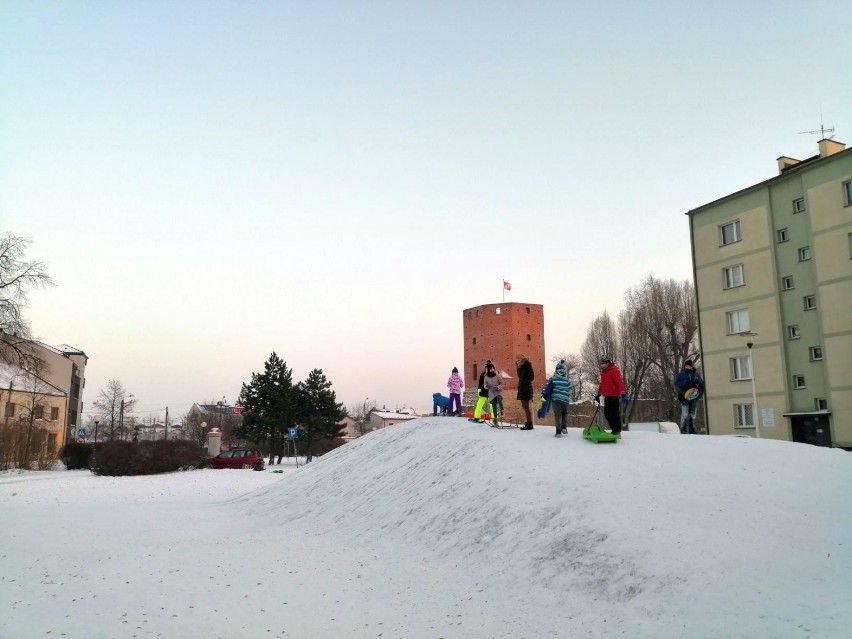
point(506, 286)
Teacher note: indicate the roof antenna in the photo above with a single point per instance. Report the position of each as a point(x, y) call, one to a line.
point(822, 129)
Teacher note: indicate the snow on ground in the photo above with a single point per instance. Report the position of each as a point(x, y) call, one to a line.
point(440, 528)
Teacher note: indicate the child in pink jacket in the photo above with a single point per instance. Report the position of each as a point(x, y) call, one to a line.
point(455, 384)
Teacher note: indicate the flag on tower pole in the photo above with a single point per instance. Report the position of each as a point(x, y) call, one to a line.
point(506, 287)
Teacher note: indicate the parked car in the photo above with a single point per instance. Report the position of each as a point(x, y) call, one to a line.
point(239, 458)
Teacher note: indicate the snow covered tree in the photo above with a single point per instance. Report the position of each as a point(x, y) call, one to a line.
point(319, 413)
point(269, 406)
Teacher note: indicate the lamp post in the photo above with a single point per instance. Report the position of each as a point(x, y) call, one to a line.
point(756, 415)
point(97, 420)
point(204, 431)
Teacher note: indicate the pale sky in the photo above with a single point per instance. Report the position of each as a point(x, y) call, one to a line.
point(213, 181)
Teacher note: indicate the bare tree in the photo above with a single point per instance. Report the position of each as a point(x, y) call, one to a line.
point(17, 277)
point(580, 381)
point(115, 402)
point(360, 413)
point(635, 359)
point(666, 315)
point(601, 341)
point(654, 335)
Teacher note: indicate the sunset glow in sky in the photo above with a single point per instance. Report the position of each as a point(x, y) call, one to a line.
point(213, 181)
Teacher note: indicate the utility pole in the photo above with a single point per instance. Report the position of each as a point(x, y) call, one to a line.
point(121, 418)
point(167, 422)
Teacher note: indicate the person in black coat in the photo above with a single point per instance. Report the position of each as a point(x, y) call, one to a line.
point(525, 388)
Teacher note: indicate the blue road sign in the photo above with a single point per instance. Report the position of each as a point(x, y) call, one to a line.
point(293, 433)
point(81, 432)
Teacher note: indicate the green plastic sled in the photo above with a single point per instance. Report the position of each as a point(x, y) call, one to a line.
point(595, 433)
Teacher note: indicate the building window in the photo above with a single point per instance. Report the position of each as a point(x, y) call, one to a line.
point(475, 370)
point(730, 233)
point(799, 205)
point(54, 413)
point(798, 382)
point(816, 353)
point(734, 276)
point(529, 337)
point(783, 235)
point(810, 302)
point(847, 193)
point(740, 368)
point(51, 443)
point(10, 409)
point(804, 253)
point(528, 310)
point(793, 331)
point(474, 341)
point(497, 310)
point(38, 413)
point(787, 283)
point(850, 246)
point(738, 322)
point(820, 403)
point(743, 416)
point(477, 313)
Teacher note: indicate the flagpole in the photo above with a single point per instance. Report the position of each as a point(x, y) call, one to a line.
point(504, 291)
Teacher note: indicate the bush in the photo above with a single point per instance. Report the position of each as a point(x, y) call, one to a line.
point(146, 458)
point(76, 456)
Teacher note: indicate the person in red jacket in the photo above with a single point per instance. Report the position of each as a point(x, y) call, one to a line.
point(612, 389)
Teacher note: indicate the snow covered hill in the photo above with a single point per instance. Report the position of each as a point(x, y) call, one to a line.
point(444, 528)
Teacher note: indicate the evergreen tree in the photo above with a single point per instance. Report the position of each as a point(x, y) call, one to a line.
point(319, 412)
point(269, 403)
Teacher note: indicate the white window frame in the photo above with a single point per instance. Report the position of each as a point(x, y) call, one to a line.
point(735, 227)
point(738, 324)
point(740, 368)
point(740, 414)
point(820, 403)
point(729, 276)
point(799, 382)
point(815, 353)
point(783, 235)
point(793, 331)
point(804, 253)
point(787, 283)
point(799, 205)
point(810, 302)
point(847, 193)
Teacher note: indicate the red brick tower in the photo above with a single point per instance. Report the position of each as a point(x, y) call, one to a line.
point(499, 332)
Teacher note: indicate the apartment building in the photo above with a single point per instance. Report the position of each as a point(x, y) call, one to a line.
point(773, 277)
point(66, 369)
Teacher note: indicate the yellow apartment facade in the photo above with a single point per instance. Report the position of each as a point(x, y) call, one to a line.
point(773, 277)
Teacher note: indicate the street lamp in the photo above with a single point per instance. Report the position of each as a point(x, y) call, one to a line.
point(97, 420)
point(756, 415)
point(204, 430)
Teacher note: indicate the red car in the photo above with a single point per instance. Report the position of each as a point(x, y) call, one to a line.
point(238, 458)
